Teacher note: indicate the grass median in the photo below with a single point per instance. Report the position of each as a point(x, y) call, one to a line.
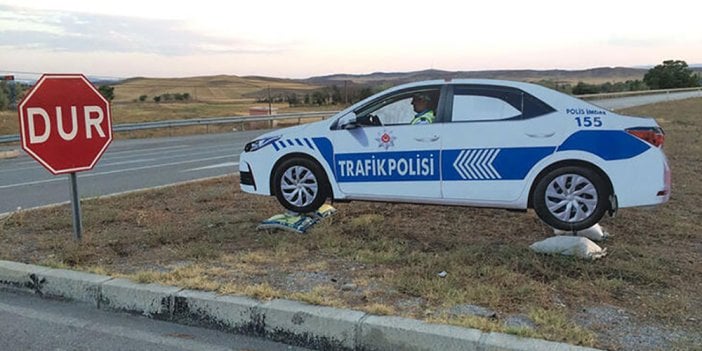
point(385, 258)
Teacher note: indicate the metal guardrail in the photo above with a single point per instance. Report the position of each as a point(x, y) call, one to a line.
point(9, 138)
point(634, 93)
point(129, 127)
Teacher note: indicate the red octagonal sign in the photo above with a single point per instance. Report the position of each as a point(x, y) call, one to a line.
point(65, 123)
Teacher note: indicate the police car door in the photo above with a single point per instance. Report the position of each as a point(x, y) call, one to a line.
point(495, 135)
point(381, 156)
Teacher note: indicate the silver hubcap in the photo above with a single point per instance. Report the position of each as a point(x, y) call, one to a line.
point(571, 198)
point(299, 186)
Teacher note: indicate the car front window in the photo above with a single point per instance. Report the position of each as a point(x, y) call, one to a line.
point(398, 112)
point(398, 109)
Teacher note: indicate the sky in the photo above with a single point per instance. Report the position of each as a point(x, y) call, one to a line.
point(305, 38)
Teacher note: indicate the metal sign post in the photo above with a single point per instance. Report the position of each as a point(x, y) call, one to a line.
point(60, 102)
point(75, 205)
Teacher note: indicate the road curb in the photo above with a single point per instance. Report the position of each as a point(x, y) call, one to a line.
point(71, 285)
point(151, 300)
point(222, 312)
point(319, 327)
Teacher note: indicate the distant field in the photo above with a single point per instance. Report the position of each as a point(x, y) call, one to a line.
point(221, 89)
point(214, 96)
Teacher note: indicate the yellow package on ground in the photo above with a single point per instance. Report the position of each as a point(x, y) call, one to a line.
point(296, 222)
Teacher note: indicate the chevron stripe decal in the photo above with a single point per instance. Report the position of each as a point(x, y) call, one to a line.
point(285, 143)
point(476, 164)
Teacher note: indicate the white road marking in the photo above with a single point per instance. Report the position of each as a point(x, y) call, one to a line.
point(219, 165)
point(156, 166)
point(31, 183)
point(127, 162)
point(94, 174)
point(131, 151)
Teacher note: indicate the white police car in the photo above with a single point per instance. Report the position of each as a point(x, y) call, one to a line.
point(492, 143)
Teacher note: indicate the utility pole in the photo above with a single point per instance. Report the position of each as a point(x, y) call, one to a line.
point(270, 108)
point(346, 93)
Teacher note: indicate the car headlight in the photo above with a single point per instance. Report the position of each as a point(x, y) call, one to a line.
point(260, 143)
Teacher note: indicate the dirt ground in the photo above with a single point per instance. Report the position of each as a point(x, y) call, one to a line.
point(387, 258)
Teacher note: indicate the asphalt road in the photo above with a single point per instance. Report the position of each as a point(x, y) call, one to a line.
point(144, 163)
point(30, 323)
point(126, 165)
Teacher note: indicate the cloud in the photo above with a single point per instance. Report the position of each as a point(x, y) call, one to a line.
point(61, 31)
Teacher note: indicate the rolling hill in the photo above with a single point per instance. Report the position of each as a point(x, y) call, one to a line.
point(230, 88)
point(592, 75)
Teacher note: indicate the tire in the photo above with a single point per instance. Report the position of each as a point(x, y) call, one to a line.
point(571, 198)
point(300, 185)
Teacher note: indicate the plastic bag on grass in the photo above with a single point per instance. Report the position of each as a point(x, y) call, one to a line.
point(570, 246)
point(297, 222)
point(594, 233)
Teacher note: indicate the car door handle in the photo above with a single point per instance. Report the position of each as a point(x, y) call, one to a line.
point(430, 139)
point(540, 135)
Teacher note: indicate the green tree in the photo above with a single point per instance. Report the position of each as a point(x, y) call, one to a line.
point(336, 95)
point(293, 100)
point(107, 92)
point(319, 98)
point(671, 74)
point(365, 92)
point(584, 88)
point(142, 98)
point(4, 95)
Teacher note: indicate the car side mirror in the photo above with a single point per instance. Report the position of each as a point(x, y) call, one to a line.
point(349, 125)
point(347, 122)
point(368, 120)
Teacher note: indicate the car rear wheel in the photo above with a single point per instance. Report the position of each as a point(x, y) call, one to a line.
point(571, 198)
point(300, 185)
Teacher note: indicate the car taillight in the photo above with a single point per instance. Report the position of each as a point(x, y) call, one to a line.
point(653, 135)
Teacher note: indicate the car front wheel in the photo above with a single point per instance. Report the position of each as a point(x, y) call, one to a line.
point(300, 185)
point(571, 198)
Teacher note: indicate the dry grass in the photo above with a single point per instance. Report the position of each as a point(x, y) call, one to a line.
point(203, 236)
point(149, 112)
point(209, 88)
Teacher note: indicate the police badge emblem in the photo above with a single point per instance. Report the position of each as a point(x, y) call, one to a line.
point(385, 139)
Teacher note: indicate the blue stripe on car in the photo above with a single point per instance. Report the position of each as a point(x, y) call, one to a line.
point(325, 147)
point(511, 163)
point(307, 141)
point(608, 144)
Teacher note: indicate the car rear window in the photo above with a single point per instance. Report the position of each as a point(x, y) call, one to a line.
point(490, 103)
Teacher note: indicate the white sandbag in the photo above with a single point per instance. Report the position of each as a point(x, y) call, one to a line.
point(570, 246)
point(594, 233)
